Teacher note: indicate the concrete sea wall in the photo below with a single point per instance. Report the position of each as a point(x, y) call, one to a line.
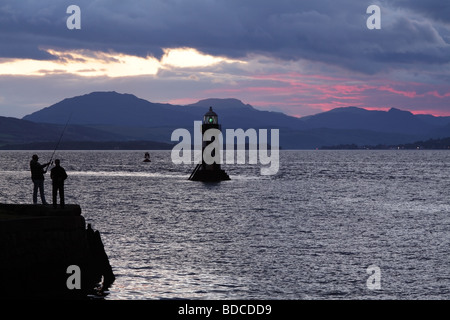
point(37, 246)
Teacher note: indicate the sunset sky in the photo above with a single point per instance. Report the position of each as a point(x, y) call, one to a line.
point(298, 57)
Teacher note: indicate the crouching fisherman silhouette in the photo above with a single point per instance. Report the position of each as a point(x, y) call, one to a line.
point(58, 175)
point(37, 176)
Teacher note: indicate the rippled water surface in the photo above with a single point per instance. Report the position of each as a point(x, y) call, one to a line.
point(309, 232)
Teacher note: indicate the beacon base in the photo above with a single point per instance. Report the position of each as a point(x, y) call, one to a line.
point(200, 174)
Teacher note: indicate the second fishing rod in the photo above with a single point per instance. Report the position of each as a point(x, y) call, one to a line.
point(59, 141)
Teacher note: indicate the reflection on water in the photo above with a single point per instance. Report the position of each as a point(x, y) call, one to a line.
point(308, 232)
point(125, 174)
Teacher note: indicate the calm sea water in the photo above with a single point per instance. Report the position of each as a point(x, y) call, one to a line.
point(309, 232)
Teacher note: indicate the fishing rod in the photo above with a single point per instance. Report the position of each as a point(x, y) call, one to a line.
point(59, 141)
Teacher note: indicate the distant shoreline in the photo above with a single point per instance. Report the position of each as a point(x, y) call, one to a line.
point(431, 144)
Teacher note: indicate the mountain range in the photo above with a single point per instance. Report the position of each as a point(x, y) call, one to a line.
point(112, 116)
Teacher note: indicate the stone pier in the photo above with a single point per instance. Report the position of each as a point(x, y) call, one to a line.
point(37, 245)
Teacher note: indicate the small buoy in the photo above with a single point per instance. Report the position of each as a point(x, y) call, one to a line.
point(147, 157)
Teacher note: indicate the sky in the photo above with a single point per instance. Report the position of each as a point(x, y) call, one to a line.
point(299, 57)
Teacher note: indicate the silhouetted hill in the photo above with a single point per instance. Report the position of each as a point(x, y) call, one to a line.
point(235, 114)
point(126, 110)
point(16, 131)
point(440, 132)
point(222, 104)
point(91, 145)
point(393, 121)
point(111, 108)
point(433, 120)
point(127, 117)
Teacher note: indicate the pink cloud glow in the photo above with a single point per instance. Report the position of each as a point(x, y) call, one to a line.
point(304, 94)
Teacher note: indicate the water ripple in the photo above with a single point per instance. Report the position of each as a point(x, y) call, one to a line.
point(310, 232)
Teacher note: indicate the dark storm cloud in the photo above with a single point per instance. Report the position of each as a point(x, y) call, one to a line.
point(328, 31)
point(435, 9)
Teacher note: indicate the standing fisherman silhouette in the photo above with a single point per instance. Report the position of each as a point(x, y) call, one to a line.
point(37, 176)
point(58, 175)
